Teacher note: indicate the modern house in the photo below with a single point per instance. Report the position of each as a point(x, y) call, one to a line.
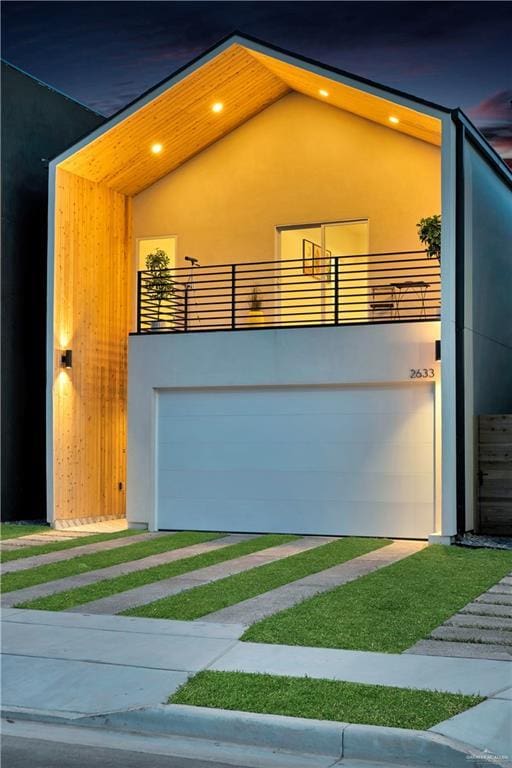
point(296, 361)
point(37, 122)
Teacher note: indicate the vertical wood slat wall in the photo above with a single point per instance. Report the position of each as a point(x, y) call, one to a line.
point(92, 317)
point(495, 474)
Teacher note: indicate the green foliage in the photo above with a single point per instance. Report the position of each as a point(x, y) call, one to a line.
point(322, 699)
point(158, 284)
point(15, 530)
point(429, 232)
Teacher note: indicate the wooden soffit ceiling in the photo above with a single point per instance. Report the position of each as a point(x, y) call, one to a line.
point(182, 121)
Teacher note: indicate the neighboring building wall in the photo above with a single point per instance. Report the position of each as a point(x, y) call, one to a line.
point(299, 161)
point(37, 123)
point(488, 301)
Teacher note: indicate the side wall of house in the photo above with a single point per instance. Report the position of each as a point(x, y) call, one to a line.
point(488, 302)
point(299, 161)
point(92, 240)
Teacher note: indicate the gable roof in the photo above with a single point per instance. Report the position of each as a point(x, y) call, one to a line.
point(247, 76)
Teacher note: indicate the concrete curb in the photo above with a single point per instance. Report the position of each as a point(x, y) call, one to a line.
point(282, 734)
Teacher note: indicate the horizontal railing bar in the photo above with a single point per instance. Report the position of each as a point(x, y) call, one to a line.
point(282, 261)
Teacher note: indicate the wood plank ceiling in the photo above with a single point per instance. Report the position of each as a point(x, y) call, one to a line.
point(181, 118)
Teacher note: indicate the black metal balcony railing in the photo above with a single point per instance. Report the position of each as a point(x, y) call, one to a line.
point(373, 288)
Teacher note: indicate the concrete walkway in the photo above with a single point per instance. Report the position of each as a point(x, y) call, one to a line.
point(252, 610)
point(43, 648)
point(68, 554)
point(172, 586)
point(72, 664)
point(91, 577)
point(481, 630)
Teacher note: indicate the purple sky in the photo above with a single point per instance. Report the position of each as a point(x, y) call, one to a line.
point(106, 53)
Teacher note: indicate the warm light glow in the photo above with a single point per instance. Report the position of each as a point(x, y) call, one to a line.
point(323, 93)
point(156, 148)
point(394, 120)
point(218, 106)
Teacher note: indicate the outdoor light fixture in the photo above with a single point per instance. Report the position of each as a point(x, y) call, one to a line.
point(218, 106)
point(323, 93)
point(394, 120)
point(438, 349)
point(156, 148)
point(66, 359)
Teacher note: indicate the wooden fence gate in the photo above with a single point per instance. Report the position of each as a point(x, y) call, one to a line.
point(495, 475)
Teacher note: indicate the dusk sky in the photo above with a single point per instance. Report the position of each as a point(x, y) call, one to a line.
point(104, 54)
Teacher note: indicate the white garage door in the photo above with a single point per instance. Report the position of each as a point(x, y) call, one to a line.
point(325, 460)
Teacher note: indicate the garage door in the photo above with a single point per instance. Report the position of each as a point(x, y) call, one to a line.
point(324, 460)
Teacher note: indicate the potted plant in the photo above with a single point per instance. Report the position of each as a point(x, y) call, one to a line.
point(429, 232)
point(256, 316)
point(158, 284)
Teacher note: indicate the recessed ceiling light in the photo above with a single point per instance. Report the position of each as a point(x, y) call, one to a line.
point(323, 93)
point(393, 120)
point(218, 106)
point(156, 148)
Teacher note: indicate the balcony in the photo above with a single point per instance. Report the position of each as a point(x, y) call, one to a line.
point(332, 290)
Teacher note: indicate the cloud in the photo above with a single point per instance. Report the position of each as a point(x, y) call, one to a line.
point(493, 116)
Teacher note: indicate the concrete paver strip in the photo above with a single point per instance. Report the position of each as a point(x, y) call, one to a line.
point(256, 608)
point(172, 586)
point(480, 630)
point(91, 577)
point(67, 554)
point(461, 649)
point(474, 620)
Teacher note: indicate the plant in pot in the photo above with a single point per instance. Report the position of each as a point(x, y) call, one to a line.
point(429, 232)
point(256, 316)
point(158, 284)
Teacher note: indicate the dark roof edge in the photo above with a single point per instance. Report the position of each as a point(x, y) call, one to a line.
point(236, 35)
point(52, 88)
point(483, 145)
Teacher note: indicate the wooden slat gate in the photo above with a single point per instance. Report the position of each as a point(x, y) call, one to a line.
point(495, 475)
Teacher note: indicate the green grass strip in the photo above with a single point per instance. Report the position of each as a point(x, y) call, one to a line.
point(233, 589)
point(14, 531)
point(97, 560)
point(322, 699)
point(56, 546)
point(391, 609)
point(71, 597)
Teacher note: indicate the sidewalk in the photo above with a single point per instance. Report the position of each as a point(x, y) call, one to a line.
point(74, 664)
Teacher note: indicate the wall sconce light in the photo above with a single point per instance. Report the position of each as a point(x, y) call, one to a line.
point(438, 349)
point(66, 359)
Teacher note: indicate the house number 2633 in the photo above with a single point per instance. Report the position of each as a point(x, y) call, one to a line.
point(422, 373)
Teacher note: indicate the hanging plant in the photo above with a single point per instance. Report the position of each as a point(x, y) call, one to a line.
point(429, 232)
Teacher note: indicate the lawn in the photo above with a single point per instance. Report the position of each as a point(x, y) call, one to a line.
point(13, 530)
point(97, 560)
point(56, 546)
point(391, 609)
point(68, 599)
point(213, 597)
point(322, 699)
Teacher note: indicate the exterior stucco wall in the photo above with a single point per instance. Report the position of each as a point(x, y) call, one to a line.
point(350, 355)
point(488, 302)
point(299, 161)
